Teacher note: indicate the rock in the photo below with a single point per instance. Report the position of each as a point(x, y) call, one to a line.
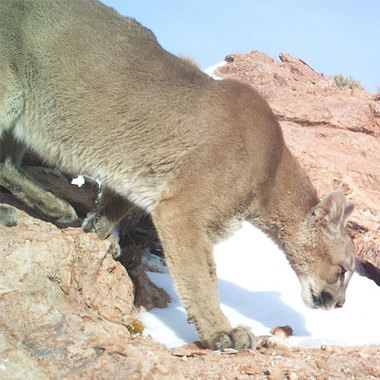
point(333, 132)
point(282, 332)
point(16, 361)
point(62, 299)
point(192, 349)
point(147, 294)
point(299, 94)
point(273, 344)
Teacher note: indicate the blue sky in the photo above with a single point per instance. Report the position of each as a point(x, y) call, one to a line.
point(333, 36)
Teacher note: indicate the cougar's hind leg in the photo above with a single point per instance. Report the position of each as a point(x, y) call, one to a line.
point(27, 190)
point(11, 104)
point(189, 255)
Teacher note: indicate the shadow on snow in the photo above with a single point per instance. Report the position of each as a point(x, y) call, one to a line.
point(265, 307)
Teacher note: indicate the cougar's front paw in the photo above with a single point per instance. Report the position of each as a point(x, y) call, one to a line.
point(95, 222)
point(8, 215)
point(89, 224)
point(239, 338)
point(100, 224)
point(114, 248)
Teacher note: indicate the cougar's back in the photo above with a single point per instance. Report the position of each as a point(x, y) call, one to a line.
point(99, 95)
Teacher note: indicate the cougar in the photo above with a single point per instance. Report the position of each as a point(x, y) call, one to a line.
point(92, 92)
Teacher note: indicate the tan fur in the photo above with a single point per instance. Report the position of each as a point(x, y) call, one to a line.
point(92, 92)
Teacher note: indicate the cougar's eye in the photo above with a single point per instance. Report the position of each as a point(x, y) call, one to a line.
point(342, 273)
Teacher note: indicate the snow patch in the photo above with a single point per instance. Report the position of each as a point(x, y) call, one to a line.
point(259, 289)
point(210, 71)
point(79, 181)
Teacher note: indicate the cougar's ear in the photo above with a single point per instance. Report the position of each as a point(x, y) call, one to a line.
point(332, 212)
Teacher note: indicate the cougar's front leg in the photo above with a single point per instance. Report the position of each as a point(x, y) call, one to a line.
point(110, 210)
point(28, 190)
point(189, 255)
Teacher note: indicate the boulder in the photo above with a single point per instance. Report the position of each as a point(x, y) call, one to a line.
point(62, 300)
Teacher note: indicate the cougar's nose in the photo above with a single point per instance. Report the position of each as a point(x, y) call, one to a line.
point(339, 304)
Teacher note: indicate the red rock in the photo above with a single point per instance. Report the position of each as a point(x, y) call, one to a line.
point(192, 349)
point(282, 331)
point(62, 298)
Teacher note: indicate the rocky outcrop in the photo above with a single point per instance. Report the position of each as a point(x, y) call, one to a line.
point(62, 300)
point(334, 133)
point(297, 93)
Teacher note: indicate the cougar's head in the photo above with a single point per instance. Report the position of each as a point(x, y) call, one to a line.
point(327, 259)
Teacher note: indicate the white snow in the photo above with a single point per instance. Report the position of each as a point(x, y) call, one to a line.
point(210, 71)
point(259, 289)
point(79, 181)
